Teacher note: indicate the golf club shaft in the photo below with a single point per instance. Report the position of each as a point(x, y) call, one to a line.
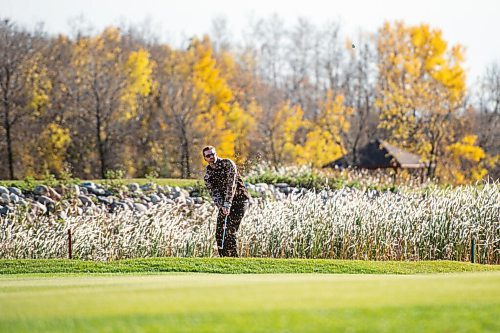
point(224, 232)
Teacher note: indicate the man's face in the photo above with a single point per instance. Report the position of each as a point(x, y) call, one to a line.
point(210, 156)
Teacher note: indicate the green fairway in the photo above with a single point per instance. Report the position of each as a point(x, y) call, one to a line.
point(190, 302)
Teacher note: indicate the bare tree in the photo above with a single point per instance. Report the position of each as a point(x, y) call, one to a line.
point(220, 35)
point(16, 46)
point(488, 113)
point(360, 90)
point(267, 38)
point(332, 56)
point(299, 59)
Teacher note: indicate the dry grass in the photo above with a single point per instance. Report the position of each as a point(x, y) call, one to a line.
point(346, 224)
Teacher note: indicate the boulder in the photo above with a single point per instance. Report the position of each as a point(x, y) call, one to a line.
point(133, 187)
point(16, 191)
point(140, 208)
point(129, 202)
point(41, 190)
point(86, 201)
point(163, 189)
point(175, 193)
point(14, 198)
point(4, 210)
point(105, 200)
point(47, 202)
point(4, 199)
point(99, 191)
point(88, 185)
point(148, 187)
point(155, 198)
point(117, 206)
point(198, 200)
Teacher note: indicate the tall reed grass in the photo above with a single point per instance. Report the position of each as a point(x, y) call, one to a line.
point(343, 224)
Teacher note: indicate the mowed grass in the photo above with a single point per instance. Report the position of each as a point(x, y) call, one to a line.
point(177, 295)
point(141, 181)
point(194, 302)
point(238, 266)
point(159, 181)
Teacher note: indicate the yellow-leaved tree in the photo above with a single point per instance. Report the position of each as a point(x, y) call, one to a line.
point(421, 90)
point(467, 160)
point(245, 111)
point(242, 124)
point(54, 140)
point(111, 78)
point(38, 87)
point(280, 131)
point(213, 99)
point(139, 70)
point(324, 139)
point(197, 105)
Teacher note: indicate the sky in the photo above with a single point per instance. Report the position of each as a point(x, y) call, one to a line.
point(474, 24)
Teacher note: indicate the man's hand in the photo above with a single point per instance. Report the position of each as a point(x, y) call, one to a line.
point(226, 207)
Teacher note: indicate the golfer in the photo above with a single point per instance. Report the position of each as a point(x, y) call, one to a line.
point(228, 192)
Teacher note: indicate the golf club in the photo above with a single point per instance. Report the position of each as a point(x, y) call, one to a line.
point(224, 232)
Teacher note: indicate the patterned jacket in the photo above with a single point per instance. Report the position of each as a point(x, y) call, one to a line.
point(224, 183)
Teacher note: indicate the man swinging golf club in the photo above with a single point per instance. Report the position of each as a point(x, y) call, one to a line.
point(228, 192)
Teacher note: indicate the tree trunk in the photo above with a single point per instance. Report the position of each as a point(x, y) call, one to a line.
point(185, 165)
point(7, 125)
point(430, 168)
point(10, 156)
point(100, 143)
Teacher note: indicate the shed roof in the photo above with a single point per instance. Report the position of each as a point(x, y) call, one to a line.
point(378, 154)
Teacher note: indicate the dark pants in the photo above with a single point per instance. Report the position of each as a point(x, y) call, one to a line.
point(233, 223)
